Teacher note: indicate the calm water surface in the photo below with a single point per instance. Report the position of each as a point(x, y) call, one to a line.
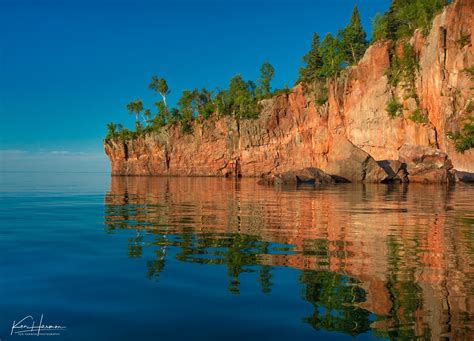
point(127, 258)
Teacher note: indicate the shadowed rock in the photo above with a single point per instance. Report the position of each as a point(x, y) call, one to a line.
point(348, 162)
point(426, 165)
point(463, 176)
point(309, 176)
point(396, 171)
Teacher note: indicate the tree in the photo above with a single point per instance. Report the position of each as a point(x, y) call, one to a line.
point(186, 108)
point(333, 57)
point(405, 16)
point(146, 116)
point(160, 86)
point(242, 98)
point(135, 107)
point(266, 75)
point(353, 39)
point(313, 60)
point(162, 116)
point(379, 27)
point(203, 103)
point(111, 131)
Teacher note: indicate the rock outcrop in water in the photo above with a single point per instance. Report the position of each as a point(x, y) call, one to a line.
point(351, 136)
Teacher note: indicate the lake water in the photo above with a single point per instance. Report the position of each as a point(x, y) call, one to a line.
point(128, 258)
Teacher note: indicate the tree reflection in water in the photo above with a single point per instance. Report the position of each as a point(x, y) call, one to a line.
point(377, 258)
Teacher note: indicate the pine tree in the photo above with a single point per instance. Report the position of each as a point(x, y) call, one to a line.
point(333, 56)
point(314, 62)
point(353, 39)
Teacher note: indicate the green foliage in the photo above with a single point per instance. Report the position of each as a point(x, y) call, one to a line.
point(111, 131)
point(403, 68)
point(147, 116)
point(196, 104)
point(469, 106)
point(394, 108)
point(322, 99)
point(463, 40)
point(405, 16)
point(464, 140)
point(328, 58)
point(333, 56)
point(138, 128)
point(239, 100)
point(186, 106)
point(379, 27)
point(284, 91)
point(186, 127)
point(160, 86)
point(314, 62)
point(135, 107)
point(266, 75)
point(470, 72)
point(353, 40)
point(162, 116)
point(124, 134)
point(418, 117)
point(203, 103)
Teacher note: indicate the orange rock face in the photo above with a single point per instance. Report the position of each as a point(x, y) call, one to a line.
point(343, 137)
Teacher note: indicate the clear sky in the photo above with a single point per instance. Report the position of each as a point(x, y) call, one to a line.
point(69, 67)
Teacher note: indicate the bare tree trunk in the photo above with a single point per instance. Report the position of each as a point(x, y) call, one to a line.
point(164, 100)
point(353, 54)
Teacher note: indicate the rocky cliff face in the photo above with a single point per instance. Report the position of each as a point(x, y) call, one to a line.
point(345, 136)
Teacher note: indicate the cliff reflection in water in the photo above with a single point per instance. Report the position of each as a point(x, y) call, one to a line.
point(397, 260)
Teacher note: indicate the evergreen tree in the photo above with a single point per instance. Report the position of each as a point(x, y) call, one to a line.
point(266, 75)
point(405, 16)
point(353, 39)
point(313, 61)
point(333, 56)
point(379, 27)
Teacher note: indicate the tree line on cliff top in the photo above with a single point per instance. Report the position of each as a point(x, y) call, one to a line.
point(325, 60)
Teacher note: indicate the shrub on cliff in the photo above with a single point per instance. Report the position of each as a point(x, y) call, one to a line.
point(404, 68)
point(464, 140)
point(418, 117)
point(394, 108)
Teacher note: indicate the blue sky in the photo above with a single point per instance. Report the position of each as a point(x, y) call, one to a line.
point(69, 67)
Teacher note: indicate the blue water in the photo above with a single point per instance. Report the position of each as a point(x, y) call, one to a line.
point(200, 258)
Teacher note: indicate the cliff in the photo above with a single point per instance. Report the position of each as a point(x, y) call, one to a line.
point(344, 137)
